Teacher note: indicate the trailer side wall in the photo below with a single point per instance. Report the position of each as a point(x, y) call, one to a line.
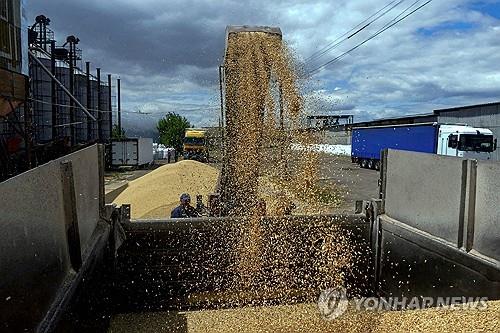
point(368, 142)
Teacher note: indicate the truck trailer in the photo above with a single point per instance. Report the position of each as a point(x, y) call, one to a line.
point(131, 152)
point(442, 139)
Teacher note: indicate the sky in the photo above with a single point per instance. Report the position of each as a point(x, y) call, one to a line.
point(167, 52)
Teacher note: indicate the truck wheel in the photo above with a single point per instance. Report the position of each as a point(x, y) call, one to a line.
point(377, 165)
point(370, 164)
point(363, 163)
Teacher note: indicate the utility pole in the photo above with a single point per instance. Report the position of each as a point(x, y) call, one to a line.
point(118, 85)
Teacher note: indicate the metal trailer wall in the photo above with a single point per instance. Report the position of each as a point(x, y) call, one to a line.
point(186, 263)
point(438, 231)
point(368, 142)
point(41, 85)
point(44, 240)
point(486, 116)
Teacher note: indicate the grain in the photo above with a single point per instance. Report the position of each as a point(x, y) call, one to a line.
point(264, 108)
point(157, 193)
point(305, 318)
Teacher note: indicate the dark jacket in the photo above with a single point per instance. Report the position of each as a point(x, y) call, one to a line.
point(183, 212)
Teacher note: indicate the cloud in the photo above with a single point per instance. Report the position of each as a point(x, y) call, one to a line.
point(167, 52)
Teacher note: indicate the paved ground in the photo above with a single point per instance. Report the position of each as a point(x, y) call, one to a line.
point(352, 182)
point(117, 178)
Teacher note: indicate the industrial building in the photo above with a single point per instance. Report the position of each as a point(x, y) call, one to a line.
point(481, 115)
point(58, 106)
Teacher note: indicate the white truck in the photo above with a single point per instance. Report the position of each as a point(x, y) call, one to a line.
point(132, 152)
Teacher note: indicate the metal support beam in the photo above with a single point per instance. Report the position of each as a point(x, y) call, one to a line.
point(98, 108)
point(53, 89)
point(89, 101)
point(110, 108)
point(72, 118)
point(46, 70)
point(71, 216)
point(468, 205)
point(118, 85)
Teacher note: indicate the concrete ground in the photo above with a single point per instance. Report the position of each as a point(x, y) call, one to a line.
point(352, 182)
point(116, 179)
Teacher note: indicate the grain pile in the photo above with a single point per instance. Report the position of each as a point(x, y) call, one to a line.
point(305, 318)
point(157, 193)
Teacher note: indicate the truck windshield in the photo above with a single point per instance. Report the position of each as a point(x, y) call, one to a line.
point(475, 142)
point(194, 141)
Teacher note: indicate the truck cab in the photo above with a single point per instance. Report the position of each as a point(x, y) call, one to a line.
point(466, 141)
point(195, 145)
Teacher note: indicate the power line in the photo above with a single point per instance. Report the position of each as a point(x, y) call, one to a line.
point(362, 25)
point(201, 108)
point(314, 71)
point(399, 15)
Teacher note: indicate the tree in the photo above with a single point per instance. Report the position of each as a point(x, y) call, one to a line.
point(172, 128)
point(117, 133)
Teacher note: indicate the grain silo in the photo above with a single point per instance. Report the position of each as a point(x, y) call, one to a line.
point(41, 85)
point(81, 118)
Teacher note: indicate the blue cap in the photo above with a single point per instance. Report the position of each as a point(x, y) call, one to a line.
point(185, 197)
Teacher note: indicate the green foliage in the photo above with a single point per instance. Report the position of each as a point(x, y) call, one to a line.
point(172, 128)
point(116, 133)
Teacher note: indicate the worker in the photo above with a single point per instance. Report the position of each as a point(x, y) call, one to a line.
point(184, 209)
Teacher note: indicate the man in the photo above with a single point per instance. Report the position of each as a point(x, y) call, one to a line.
point(184, 209)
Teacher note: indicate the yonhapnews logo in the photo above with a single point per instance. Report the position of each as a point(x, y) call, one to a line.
point(332, 303)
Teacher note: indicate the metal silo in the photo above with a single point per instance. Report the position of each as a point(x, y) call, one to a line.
point(105, 114)
point(63, 127)
point(93, 106)
point(80, 116)
point(42, 99)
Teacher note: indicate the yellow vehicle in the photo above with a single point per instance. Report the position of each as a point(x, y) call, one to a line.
point(195, 145)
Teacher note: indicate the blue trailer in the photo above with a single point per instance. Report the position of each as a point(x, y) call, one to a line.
point(434, 138)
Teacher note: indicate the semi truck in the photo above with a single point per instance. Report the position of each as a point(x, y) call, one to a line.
point(195, 145)
point(443, 139)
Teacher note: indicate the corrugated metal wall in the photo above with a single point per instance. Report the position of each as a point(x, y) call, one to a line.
point(486, 116)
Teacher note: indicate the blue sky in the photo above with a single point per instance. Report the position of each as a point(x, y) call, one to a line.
point(167, 52)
